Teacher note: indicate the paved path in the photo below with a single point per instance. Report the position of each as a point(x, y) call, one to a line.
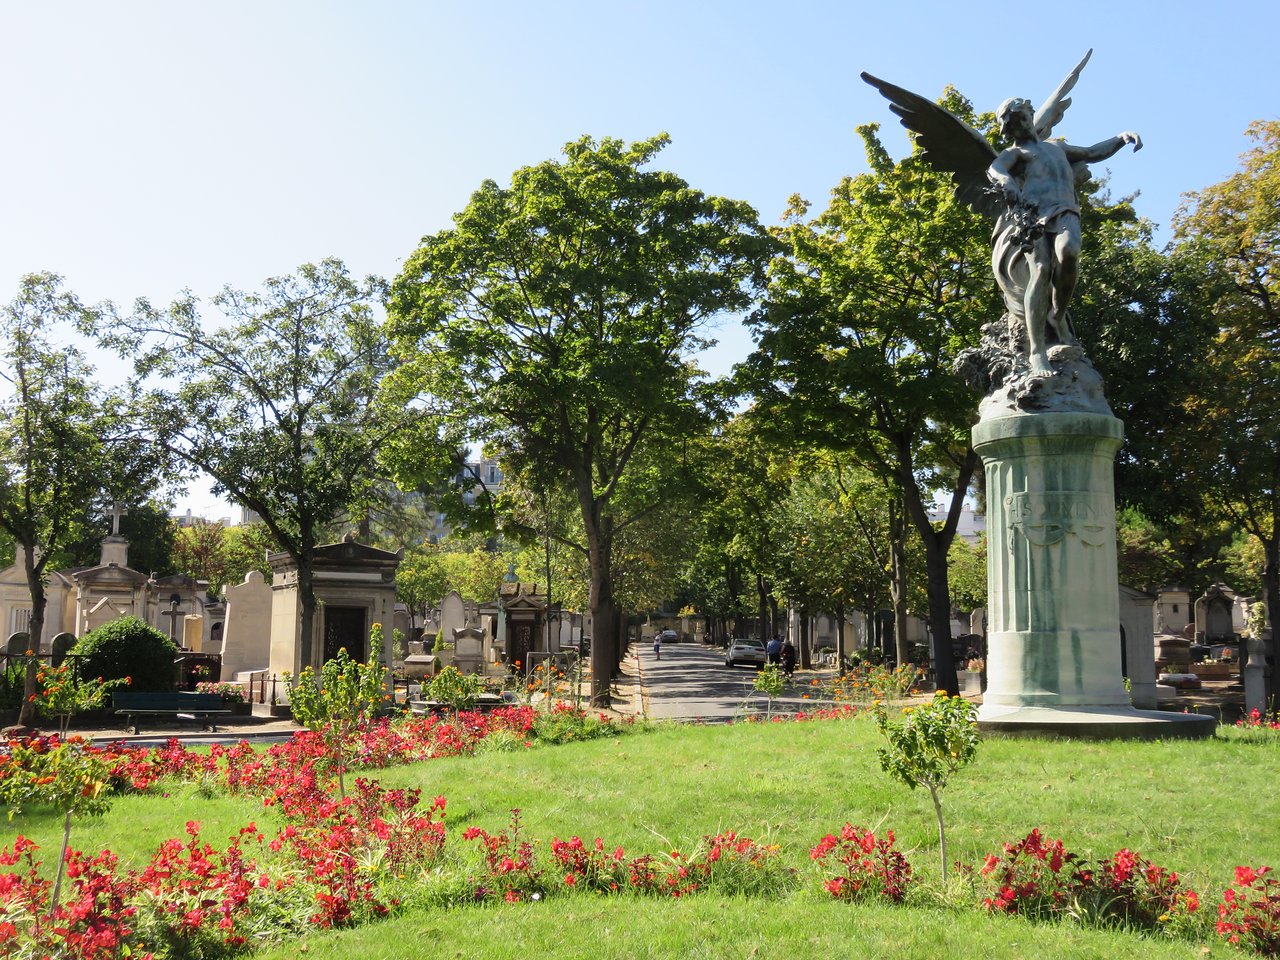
point(691, 682)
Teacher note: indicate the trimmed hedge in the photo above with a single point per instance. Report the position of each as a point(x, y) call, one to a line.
point(129, 647)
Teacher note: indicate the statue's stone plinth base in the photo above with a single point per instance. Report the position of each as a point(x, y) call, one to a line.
point(1095, 723)
point(1053, 606)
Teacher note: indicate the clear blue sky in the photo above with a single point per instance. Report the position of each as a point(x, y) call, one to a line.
point(154, 146)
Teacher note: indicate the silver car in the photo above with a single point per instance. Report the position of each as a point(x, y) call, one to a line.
point(745, 651)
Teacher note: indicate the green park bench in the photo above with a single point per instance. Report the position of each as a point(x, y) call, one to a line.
point(203, 708)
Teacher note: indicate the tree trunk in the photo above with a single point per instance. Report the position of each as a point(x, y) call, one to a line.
point(944, 663)
point(622, 640)
point(603, 621)
point(806, 653)
point(306, 657)
point(898, 580)
point(35, 630)
point(840, 640)
point(942, 831)
point(762, 610)
point(602, 642)
point(1271, 587)
point(936, 545)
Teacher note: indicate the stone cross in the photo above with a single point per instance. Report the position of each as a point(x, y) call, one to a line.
point(118, 510)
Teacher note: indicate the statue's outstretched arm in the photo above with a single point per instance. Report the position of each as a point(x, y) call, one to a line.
point(1001, 171)
point(1104, 150)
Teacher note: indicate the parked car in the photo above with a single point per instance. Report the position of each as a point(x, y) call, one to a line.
point(742, 651)
point(669, 636)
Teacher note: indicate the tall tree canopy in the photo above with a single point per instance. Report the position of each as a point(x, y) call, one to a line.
point(1234, 405)
point(278, 406)
point(57, 430)
point(866, 312)
point(559, 314)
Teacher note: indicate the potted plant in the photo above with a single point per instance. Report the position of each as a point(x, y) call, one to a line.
point(232, 695)
point(973, 674)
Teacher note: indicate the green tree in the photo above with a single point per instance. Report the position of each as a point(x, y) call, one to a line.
point(55, 433)
point(73, 781)
point(1233, 409)
point(866, 312)
point(247, 546)
point(200, 551)
point(559, 314)
point(207, 550)
point(421, 579)
point(147, 526)
point(348, 694)
point(756, 479)
point(278, 406)
point(1145, 556)
point(831, 539)
point(967, 574)
point(473, 569)
point(927, 746)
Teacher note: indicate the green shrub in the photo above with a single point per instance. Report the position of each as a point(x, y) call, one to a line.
point(459, 690)
point(128, 647)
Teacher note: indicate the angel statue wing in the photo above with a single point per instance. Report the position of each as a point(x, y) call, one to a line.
point(1051, 110)
point(950, 145)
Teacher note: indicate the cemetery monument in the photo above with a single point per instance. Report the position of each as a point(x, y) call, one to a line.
point(1046, 435)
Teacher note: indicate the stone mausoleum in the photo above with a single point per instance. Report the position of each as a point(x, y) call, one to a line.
point(355, 587)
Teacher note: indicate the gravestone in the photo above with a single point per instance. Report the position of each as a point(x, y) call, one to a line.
point(62, 645)
point(468, 649)
point(453, 615)
point(18, 644)
point(1214, 621)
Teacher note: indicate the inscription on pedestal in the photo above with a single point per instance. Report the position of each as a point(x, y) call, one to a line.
point(1046, 518)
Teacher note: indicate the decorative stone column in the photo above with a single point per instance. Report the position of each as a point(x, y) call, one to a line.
point(1053, 641)
point(1052, 607)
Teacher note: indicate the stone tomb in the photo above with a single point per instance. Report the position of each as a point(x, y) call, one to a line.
point(1215, 620)
point(1137, 646)
point(355, 587)
point(523, 613)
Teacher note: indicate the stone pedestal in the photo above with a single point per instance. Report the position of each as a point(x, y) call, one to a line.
point(1053, 643)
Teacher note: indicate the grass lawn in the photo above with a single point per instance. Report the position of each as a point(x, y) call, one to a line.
point(1197, 807)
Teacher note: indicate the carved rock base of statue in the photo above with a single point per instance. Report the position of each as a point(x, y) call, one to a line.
point(1053, 643)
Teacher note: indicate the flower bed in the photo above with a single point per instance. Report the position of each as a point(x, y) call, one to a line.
point(326, 861)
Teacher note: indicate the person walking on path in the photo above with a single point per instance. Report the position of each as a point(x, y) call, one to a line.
point(657, 646)
point(773, 649)
point(788, 657)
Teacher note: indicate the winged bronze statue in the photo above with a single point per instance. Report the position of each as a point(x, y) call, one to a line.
point(1030, 188)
